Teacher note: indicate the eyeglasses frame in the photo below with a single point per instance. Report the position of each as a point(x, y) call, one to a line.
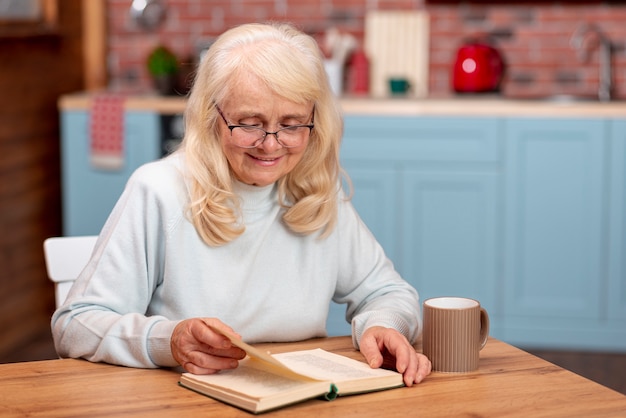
point(266, 133)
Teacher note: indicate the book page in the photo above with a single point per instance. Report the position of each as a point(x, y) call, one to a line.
point(321, 364)
point(274, 365)
point(256, 382)
point(253, 352)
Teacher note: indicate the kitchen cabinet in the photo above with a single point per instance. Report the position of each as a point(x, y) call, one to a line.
point(556, 233)
point(89, 193)
point(428, 190)
point(616, 299)
point(524, 214)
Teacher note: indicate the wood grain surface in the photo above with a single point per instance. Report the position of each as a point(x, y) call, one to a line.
point(509, 382)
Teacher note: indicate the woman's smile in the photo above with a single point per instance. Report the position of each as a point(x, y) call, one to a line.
point(265, 160)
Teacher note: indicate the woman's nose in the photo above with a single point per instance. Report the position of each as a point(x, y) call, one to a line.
point(270, 143)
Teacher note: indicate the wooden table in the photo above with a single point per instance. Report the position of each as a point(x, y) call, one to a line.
point(509, 383)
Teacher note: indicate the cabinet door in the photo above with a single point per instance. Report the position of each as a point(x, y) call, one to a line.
point(617, 224)
point(555, 198)
point(449, 247)
point(409, 174)
point(385, 154)
point(90, 193)
point(405, 141)
point(374, 198)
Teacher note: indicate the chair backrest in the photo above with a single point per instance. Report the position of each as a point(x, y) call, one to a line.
point(65, 259)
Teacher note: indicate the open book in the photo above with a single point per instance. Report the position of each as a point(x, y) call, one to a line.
point(264, 382)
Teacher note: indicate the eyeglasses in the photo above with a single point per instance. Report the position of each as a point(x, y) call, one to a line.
point(249, 136)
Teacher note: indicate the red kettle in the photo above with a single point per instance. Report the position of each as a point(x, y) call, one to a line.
point(478, 68)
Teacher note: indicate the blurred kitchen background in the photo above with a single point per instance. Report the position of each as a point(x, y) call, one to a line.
point(534, 37)
point(68, 46)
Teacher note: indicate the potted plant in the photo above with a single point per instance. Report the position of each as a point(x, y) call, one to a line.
point(163, 67)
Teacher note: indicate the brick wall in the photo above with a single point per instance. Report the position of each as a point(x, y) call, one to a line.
point(533, 36)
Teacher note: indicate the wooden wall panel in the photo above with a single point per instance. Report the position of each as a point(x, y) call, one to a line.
point(37, 69)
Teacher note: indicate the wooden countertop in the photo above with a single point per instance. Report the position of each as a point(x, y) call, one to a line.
point(508, 383)
point(453, 106)
point(161, 104)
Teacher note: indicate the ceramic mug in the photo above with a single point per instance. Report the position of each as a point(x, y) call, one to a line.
point(399, 86)
point(455, 330)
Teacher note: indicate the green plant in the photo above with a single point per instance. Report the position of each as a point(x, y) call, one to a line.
point(162, 62)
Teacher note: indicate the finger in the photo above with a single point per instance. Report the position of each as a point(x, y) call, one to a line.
point(232, 352)
point(370, 349)
point(213, 360)
point(202, 363)
point(404, 355)
point(192, 368)
point(211, 338)
point(424, 367)
point(410, 372)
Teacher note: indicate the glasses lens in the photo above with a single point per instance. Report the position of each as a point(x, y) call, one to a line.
point(247, 136)
point(292, 136)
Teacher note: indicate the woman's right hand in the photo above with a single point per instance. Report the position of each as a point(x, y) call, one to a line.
point(200, 350)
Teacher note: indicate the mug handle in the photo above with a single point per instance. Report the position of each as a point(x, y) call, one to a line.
point(484, 327)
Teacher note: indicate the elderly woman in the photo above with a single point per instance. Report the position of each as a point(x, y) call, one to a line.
point(244, 228)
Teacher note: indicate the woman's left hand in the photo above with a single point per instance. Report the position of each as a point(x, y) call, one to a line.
point(381, 346)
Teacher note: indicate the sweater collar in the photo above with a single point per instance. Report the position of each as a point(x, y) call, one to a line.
point(255, 197)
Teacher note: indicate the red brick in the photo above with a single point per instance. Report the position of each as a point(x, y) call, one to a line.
point(538, 46)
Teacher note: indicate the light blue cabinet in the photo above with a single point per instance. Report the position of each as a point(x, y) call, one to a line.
point(524, 214)
point(428, 190)
point(556, 200)
point(449, 235)
point(89, 193)
point(616, 254)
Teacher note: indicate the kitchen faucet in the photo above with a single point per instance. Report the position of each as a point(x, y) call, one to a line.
point(593, 33)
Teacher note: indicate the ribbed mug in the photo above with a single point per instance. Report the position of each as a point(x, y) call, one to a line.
point(455, 330)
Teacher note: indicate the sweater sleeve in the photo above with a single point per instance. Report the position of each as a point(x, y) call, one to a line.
point(373, 290)
point(104, 317)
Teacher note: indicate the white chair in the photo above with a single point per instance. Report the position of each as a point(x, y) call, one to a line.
point(65, 259)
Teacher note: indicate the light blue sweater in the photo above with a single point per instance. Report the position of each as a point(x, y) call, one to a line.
point(150, 269)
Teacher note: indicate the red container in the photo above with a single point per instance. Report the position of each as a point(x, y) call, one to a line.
point(478, 68)
point(358, 73)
